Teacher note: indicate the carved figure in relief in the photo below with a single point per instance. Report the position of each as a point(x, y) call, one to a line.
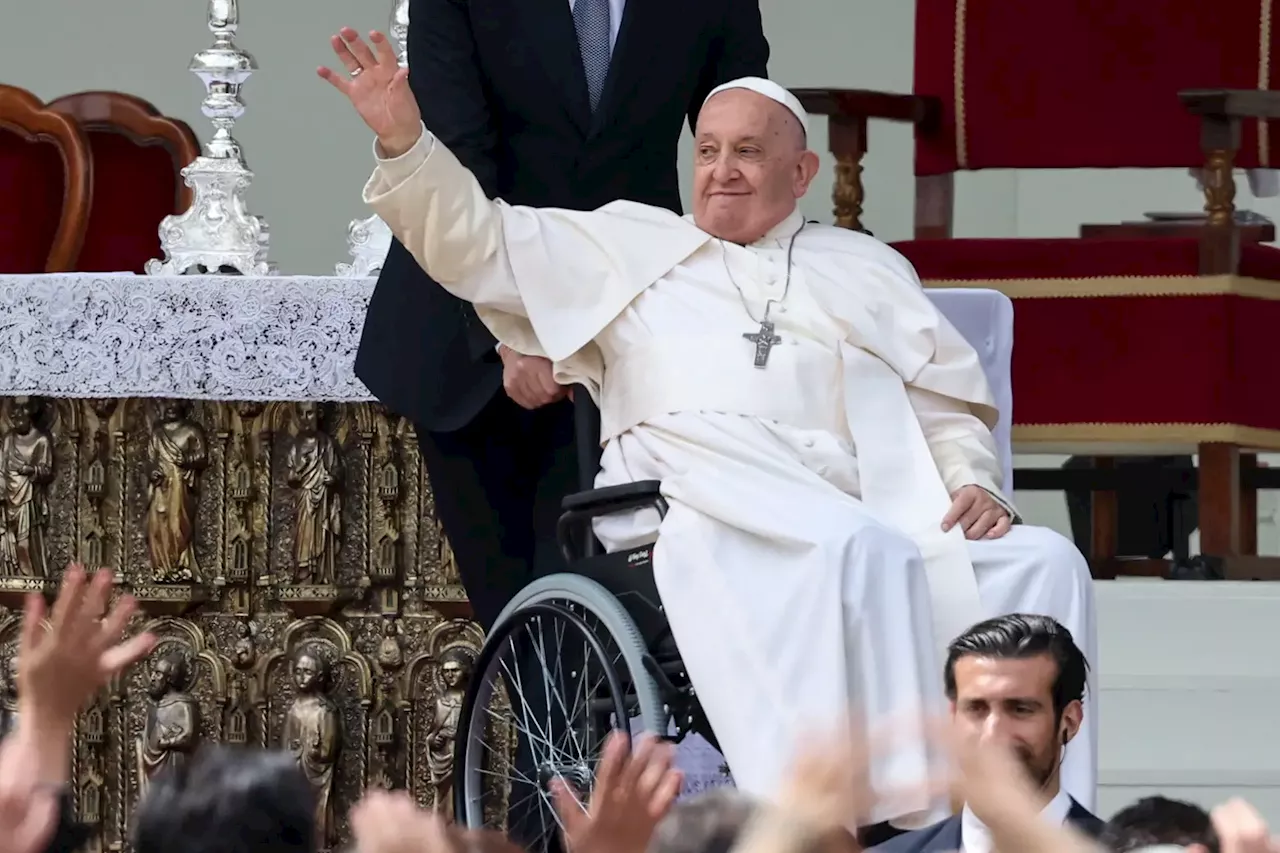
point(456, 665)
point(177, 454)
point(26, 469)
point(314, 468)
point(173, 721)
point(9, 696)
point(245, 652)
point(391, 648)
point(312, 732)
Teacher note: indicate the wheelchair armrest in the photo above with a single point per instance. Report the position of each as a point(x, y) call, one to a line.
point(582, 507)
point(614, 498)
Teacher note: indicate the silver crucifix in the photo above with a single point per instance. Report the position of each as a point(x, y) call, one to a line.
point(765, 340)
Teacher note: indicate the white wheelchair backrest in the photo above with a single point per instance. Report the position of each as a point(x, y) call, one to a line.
point(985, 319)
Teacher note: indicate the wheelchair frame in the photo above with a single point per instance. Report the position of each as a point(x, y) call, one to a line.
point(620, 589)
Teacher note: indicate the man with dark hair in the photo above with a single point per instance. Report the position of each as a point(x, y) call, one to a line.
point(1159, 821)
point(1015, 682)
point(228, 800)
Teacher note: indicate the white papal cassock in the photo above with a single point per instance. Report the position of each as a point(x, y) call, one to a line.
point(801, 564)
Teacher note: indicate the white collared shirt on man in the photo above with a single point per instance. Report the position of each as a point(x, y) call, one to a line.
point(976, 838)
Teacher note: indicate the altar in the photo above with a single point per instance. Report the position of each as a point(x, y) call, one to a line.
point(206, 439)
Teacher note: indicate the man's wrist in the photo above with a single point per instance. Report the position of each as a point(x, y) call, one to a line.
point(398, 145)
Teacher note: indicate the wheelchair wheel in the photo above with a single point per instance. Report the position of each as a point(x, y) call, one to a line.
point(563, 667)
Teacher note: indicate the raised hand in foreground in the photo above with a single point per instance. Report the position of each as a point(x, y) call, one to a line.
point(1240, 829)
point(635, 788)
point(995, 784)
point(391, 822)
point(60, 669)
point(386, 822)
point(377, 87)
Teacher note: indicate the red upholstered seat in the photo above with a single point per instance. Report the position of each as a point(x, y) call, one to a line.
point(991, 260)
point(994, 259)
point(1126, 332)
point(1144, 344)
point(45, 174)
point(1085, 83)
point(138, 155)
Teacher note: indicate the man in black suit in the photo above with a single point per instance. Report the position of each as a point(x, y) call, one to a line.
point(550, 103)
point(1019, 681)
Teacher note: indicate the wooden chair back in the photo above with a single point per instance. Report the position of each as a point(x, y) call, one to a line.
point(1061, 84)
point(138, 158)
point(46, 181)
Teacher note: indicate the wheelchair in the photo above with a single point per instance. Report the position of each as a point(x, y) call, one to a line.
point(598, 637)
point(609, 603)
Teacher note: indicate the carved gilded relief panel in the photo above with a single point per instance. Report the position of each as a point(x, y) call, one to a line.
point(288, 556)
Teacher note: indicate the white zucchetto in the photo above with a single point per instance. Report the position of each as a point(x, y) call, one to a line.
point(770, 90)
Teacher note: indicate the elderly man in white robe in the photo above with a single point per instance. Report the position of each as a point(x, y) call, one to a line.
point(822, 434)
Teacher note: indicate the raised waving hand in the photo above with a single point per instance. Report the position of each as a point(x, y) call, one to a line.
point(377, 87)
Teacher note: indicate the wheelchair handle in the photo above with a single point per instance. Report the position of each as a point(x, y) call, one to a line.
point(582, 508)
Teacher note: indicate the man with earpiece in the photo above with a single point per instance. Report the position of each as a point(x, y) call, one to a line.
point(1018, 682)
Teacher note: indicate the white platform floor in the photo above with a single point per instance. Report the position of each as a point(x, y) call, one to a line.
point(1189, 693)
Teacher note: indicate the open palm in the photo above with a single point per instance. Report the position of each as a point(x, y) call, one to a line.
point(377, 87)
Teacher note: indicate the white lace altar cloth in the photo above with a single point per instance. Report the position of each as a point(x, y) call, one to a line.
point(205, 338)
point(195, 337)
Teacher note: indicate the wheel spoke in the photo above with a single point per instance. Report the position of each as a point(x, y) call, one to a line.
point(518, 735)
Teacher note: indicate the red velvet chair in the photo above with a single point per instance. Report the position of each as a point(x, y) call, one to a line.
point(138, 157)
point(1141, 346)
point(46, 176)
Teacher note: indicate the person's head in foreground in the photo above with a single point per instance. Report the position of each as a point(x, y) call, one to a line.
point(711, 822)
point(228, 800)
point(1156, 822)
point(725, 819)
point(751, 159)
point(1018, 681)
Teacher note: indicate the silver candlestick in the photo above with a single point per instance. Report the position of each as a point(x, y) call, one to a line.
point(217, 233)
point(369, 240)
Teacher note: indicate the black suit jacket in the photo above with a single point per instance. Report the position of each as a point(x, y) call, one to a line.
point(500, 82)
point(944, 836)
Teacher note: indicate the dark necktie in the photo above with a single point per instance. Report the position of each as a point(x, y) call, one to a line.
point(591, 20)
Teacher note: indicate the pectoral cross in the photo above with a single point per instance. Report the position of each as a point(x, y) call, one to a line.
point(765, 340)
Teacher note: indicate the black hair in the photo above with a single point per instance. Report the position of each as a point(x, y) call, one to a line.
point(228, 800)
point(1020, 636)
point(1159, 820)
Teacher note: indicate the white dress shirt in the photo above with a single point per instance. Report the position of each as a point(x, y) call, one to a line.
point(615, 19)
point(976, 838)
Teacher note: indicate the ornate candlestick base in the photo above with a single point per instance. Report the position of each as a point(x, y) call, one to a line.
point(216, 234)
point(368, 241)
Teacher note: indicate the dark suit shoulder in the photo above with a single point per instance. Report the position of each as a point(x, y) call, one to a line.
point(943, 835)
point(1085, 820)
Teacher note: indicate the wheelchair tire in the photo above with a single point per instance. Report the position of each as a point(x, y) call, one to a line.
point(594, 598)
point(575, 596)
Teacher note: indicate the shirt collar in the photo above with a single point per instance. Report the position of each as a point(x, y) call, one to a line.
point(779, 235)
point(976, 838)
